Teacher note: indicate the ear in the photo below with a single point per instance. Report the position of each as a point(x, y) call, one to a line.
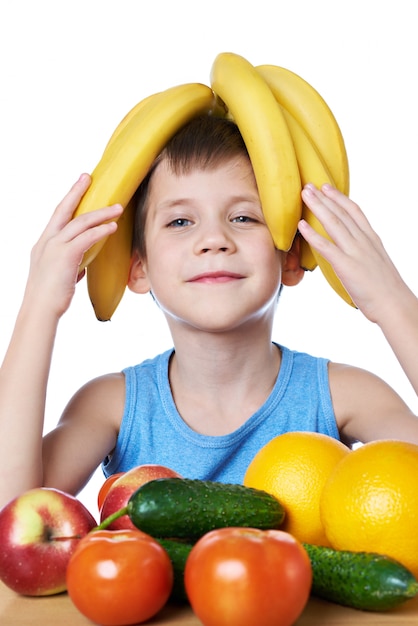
point(292, 272)
point(138, 278)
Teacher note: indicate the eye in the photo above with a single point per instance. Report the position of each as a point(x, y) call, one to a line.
point(243, 219)
point(179, 222)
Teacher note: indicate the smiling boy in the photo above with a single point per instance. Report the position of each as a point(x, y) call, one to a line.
point(204, 408)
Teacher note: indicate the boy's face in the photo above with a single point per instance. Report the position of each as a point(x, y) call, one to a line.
point(211, 261)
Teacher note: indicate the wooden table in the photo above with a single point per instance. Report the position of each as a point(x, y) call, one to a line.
point(59, 611)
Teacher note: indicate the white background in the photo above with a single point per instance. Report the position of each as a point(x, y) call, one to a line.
point(71, 70)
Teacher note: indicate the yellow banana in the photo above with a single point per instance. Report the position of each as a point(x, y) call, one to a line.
point(128, 117)
point(306, 256)
point(259, 118)
point(313, 169)
point(130, 154)
point(308, 107)
point(108, 272)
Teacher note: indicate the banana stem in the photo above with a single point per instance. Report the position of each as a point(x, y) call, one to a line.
point(111, 518)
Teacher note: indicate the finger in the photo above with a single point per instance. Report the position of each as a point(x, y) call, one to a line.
point(321, 244)
point(65, 209)
point(341, 206)
point(72, 199)
point(98, 220)
point(318, 198)
point(85, 240)
point(347, 205)
point(336, 219)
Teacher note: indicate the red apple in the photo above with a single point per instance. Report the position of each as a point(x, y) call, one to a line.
point(39, 532)
point(103, 491)
point(121, 490)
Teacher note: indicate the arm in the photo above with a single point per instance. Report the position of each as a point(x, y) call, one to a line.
point(51, 283)
point(372, 411)
point(361, 262)
point(86, 433)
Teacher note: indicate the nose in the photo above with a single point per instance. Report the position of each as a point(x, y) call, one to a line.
point(214, 237)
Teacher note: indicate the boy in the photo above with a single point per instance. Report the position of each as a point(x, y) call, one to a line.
point(202, 247)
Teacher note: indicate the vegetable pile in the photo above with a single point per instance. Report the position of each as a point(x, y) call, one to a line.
point(218, 547)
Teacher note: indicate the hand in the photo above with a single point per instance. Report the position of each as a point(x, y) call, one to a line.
point(356, 253)
point(56, 257)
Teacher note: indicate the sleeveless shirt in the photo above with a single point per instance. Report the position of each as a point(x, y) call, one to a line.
point(152, 431)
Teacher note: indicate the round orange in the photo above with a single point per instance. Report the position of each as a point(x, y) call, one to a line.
point(370, 501)
point(294, 468)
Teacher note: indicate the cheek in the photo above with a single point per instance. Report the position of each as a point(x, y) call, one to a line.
point(272, 259)
point(274, 264)
point(162, 274)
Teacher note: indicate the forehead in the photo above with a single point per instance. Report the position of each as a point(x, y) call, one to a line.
point(235, 171)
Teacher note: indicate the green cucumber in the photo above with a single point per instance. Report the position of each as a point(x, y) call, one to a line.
point(361, 580)
point(178, 551)
point(188, 508)
point(180, 508)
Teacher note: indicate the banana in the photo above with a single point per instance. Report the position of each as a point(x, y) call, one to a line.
point(313, 169)
point(107, 273)
point(306, 257)
point(259, 118)
point(292, 138)
point(128, 117)
point(308, 107)
point(129, 155)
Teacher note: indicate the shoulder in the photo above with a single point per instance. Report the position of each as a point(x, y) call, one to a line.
point(106, 395)
point(107, 383)
point(90, 422)
point(366, 407)
point(103, 396)
point(359, 383)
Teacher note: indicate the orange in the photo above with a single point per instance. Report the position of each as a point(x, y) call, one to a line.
point(370, 501)
point(294, 468)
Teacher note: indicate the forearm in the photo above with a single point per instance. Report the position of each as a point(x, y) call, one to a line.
point(53, 274)
point(23, 383)
point(360, 260)
point(399, 324)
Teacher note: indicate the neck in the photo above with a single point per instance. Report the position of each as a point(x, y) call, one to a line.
point(218, 382)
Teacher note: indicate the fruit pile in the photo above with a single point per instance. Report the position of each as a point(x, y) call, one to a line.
point(361, 499)
point(292, 138)
point(163, 538)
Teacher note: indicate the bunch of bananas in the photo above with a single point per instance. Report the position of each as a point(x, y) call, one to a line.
point(292, 138)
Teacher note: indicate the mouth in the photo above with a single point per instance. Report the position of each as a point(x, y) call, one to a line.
point(215, 277)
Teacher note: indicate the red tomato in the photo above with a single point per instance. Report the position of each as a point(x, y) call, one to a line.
point(119, 577)
point(248, 577)
point(105, 488)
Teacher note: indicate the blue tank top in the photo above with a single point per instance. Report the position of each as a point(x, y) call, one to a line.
point(152, 431)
